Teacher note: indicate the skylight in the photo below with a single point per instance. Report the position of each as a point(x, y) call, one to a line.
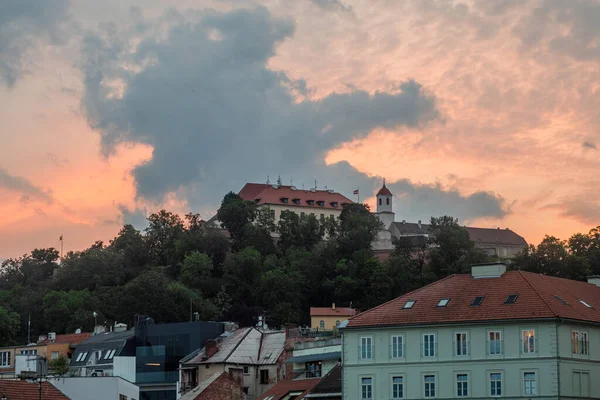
point(584, 303)
point(443, 302)
point(561, 300)
point(477, 301)
point(409, 304)
point(511, 299)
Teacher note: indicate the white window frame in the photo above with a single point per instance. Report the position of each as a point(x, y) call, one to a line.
point(457, 383)
point(490, 373)
point(526, 343)
point(431, 351)
point(466, 344)
point(402, 384)
point(434, 388)
point(489, 349)
point(362, 385)
point(580, 343)
point(5, 359)
point(369, 353)
point(535, 384)
point(322, 324)
point(397, 352)
point(55, 355)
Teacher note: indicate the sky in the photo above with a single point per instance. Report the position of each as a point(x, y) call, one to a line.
point(483, 110)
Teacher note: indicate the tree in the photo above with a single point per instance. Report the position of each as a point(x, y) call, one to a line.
point(358, 228)
point(9, 326)
point(162, 232)
point(235, 214)
point(196, 270)
point(66, 311)
point(59, 366)
point(242, 274)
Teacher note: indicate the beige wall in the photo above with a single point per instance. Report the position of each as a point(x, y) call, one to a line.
point(11, 351)
point(330, 322)
point(317, 211)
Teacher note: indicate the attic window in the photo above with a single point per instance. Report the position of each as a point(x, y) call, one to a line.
point(561, 300)
point(310, 202)
point(477, 301)
point(443, 302)
point(321, 203)
point(334, 204)
point(284, 200)
point(584, 303)
point(409, 304)
point(511, 299)
point(296, 201)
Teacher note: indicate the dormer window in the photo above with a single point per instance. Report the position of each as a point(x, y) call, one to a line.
point(409, 304)
point(511, 299)
point(296, 201)
point(477, 301)
point(310, 202)
point(284, 200)
point(443, 302)
point(334, 204)
point(321, 203)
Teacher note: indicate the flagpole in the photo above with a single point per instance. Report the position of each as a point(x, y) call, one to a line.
point(358, 194)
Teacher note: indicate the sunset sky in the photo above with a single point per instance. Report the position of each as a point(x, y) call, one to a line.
point(110, 110)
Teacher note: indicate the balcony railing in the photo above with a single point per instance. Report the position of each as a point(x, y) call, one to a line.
point(318, 343)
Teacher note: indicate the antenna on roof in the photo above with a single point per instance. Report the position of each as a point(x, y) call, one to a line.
point(325, 185)
point(268, 180)
point(315, 183)
point(279, 181)
point(291, 181)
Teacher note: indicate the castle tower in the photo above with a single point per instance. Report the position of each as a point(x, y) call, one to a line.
point(384, 206)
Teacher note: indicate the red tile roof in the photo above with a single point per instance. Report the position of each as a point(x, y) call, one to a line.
point(536, 300)
point(384, 191)
point(22, 390)
point(282, 388)
point(268, 194)
point(331, 312)
point(72, 338)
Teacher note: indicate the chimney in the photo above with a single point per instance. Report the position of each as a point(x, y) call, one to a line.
point(52, 336)
point(419, 224)
point(495, 270)
point(333, 306)
point(210, 348)
point(594, 280)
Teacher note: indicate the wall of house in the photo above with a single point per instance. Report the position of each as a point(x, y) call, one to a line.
point(579, 372)
point(225, 387)
point(123, 367)
point(10, 364)
point(97, 388)
point(500, 251)
point(330, 322)
point(512, 363)
point(55, 350)
point(317, 211)
point(41, 350)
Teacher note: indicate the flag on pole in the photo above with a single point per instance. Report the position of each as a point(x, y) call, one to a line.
point(355, 192)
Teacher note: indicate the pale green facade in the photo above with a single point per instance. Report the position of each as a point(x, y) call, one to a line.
point(543, 367)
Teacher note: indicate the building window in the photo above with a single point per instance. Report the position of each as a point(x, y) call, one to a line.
point(429, 386)
point(29, 352)
point(461, 344)
point(528, 337)
point(380, 201)
point(581, 383)
point(387, 201)
point(495, 343)
point(246, 370)
point(122, 397)
point(313, 369)
point(272, 212)
point(579, 343)
point(337, 324)
point(5, 359)
point(322, 217)
point(429, 345)
point(462, 385)
point(366, 388)
point(366, 348)
point(529, 384)
point(397, 387)
point(302, 214)
point(264, 376)
point(397, 346)
point(496, 384)
point(54, 355)
point(322, 324)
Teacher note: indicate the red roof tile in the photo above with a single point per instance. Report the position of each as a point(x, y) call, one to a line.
point(282, 388)
point(331, 312)
point(22, 390)
point(267, 194)
point(384, 191)
point(72, 338)
point(536, 300)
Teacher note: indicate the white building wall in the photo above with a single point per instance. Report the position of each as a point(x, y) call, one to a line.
point(124, 367)
point(96, 388)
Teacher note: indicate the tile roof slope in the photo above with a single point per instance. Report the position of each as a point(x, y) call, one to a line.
point(330, 312)
point(478, 235)
point(536, 300)
point(23, 390)
point(282, 388)
point(273, 344)
point(331, 383)
point(71, 338)
point(226, 348)
point(267, 194)
point(384, 191)
point(206, 382)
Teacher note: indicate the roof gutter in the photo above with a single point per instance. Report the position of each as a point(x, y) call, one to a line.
point(455, 323)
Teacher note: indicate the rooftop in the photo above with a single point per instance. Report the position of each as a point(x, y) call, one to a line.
point(330, 385)
point(514, 295)
point(384, 191)
point(23, 390)
point(332, 311)
point(285, 387)
point(71, 338)
point(262, 193)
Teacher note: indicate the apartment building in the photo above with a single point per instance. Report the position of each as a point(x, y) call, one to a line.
point(485, 335)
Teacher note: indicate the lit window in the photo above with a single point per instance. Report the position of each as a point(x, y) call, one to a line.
point(443, 302)
point(477, 300)
point(429, 345)
point(511, 299)
point(322, 324)
point(397, 346)
point(397, 387)
point(366, 388)
point(460, 344)
point(585, 304)
point(496, 384)
point(409, 304)
point(579, 343)
point(529, 384)
point(528, 341)
point(429, 386)
point(366, 348)
point(495, 343)
point(462, 385)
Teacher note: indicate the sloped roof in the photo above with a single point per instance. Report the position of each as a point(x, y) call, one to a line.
point(282, 388)
point(245, 346)
point(332, 312)
point(330, 384)
point(477, 235)
point(262, 193)
point(384, 191)
point(23, 390)
point(71, 338)
point(536, 300)
point(205, 383)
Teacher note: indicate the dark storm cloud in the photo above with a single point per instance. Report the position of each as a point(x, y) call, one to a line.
point(22, 186)
point(21, 23)
point(414, 201)
point(135, 217)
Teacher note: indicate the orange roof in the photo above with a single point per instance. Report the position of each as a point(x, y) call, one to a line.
point(71, 338)
point(282, 388)
point(262, 193)
point(23, 390)
point(384, 191)
point(537, 298)
point(332, 312)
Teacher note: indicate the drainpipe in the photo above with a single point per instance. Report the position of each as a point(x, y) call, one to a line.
point(558, 359)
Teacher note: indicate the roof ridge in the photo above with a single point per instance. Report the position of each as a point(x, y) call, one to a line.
point(238, 344)
point(405, 294)
point(538, 293)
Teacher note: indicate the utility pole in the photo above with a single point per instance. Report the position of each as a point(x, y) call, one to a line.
point(29, 329)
